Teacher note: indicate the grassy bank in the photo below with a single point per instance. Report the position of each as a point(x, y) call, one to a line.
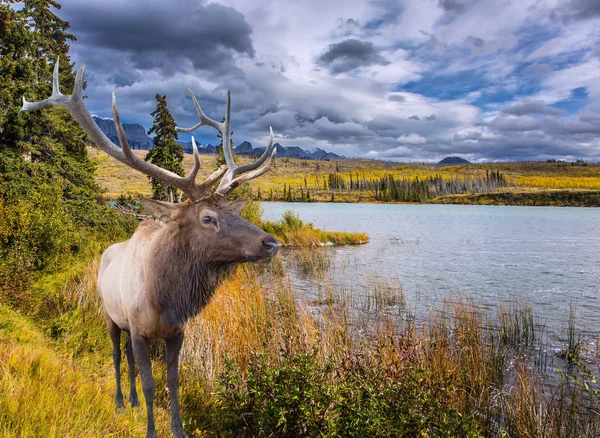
point(290, 230)
point(258, 361)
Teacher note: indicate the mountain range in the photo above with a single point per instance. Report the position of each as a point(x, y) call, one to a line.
point(138, 139)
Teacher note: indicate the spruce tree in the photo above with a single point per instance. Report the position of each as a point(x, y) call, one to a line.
point(166, 153)
point(49, 201)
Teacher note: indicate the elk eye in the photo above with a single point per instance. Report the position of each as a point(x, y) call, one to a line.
point(206, 220)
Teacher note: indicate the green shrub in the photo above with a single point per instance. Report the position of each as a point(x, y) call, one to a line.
point(305, 397)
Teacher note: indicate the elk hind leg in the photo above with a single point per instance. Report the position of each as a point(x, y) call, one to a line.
point(115, 336)
point(133, 396)
point(141, 352)
point(173, 347)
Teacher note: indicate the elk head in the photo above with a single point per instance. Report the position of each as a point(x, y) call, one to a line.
point(207, 215)
point(214, 225)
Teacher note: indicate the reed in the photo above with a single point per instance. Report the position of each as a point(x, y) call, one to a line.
point(517, 328)
point(312, 261)
point(383, 295)
point(572, 353)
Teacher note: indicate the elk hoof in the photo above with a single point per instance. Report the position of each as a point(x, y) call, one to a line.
point(135, 403)
point(151, 434)
point(119, 402)
point(178, 432)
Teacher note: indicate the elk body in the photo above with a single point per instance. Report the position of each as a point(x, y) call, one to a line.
point(168, 270)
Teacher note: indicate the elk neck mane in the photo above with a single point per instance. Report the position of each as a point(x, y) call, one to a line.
point(183, 275)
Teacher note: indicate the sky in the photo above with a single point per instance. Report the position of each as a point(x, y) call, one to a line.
point(410, 80)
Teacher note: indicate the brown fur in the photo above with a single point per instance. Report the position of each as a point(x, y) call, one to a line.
point(187, 264)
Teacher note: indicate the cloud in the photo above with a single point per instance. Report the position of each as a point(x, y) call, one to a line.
point(452, 6)
point(429, 118)
point(411, 139)
point(576, 10)
point(350, 54)
point(485, 80)
point(538, 69)
point(531, 107)
point(129, 37)
point(475, 41)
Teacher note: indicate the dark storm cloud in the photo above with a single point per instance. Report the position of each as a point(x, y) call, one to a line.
point(429, 118)
point(531, 107)
point(349, 55)
point(577, 10)
point(475, 41)
point(452, 6)
point(153, 35)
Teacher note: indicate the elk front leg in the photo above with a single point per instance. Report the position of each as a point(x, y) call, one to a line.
point(141, 352)
point(173, 348)
point(133, 396)
point(115, 336)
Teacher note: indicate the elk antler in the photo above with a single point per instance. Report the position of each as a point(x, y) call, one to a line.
point(235, 175)
point(75, 106)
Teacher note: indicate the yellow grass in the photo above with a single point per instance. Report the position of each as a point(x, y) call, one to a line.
point(560, 182)
point(45, 394)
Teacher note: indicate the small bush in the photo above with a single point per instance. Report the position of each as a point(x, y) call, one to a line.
point(303, 396)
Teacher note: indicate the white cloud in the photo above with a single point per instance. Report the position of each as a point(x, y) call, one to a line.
point(411, 139)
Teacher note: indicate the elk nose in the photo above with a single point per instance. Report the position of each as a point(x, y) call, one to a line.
point(271, 245)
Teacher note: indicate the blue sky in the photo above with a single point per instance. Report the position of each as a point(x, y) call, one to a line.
point(413, 80)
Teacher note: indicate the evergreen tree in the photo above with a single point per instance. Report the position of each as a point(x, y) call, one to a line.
point(166, 153)
point(49, 202)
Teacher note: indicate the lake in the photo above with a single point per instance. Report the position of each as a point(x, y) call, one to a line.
point(546, 256)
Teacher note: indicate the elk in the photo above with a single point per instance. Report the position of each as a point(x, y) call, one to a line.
point(168, 270)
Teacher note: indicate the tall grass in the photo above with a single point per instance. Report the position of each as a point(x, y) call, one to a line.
point(262, 341)
point(260, 361)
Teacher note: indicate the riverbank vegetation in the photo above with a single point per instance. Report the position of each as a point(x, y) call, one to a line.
point(359, 180)
point(262, 361)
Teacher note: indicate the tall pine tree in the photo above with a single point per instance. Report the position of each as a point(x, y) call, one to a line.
point(166, 153)
point(49, 202)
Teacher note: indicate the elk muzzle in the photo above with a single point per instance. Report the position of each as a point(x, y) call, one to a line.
point(270, 247)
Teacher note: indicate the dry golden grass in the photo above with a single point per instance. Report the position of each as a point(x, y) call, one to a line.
point(44, 393)
point(560, 182)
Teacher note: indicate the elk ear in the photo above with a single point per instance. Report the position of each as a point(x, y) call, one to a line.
point(238, 205)
point(163, 211)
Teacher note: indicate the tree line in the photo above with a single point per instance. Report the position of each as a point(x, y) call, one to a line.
point(387, 188)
